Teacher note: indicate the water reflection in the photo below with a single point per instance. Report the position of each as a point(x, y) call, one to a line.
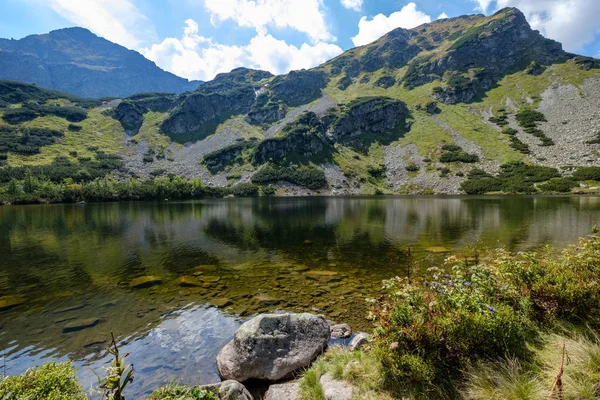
point(221, 261)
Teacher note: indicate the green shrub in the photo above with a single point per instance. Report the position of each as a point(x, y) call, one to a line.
point(564, 287)
point(177, 392)
point(245, 190)
point(412, 168)
point(75, 128)
point(51, 381)
point(427, 332)
point(560, 185)
point(453, 153)
point(308, 177)
point(587, 174)
point(376, 171)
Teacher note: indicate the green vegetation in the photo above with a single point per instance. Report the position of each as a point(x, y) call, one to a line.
point(473, 329)
point(30, 111)
point(515, 177)
point(27, 141)
point(51, 381)
point(31, 189)
point(587, 174)
point(308, 177)
point(179, 392)
point(528, 120)
point(453, 153)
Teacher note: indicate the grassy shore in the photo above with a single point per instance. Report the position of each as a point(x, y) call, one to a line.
point(506, 326)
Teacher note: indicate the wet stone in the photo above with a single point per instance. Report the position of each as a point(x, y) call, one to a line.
point(80, 325)
point(7, 302)
point(97, 341)
point(71, 308)
point(189, 281)
point(201, 269)
point(209, 279)
point(341, 331)
point(145, 282)
point(221, 302)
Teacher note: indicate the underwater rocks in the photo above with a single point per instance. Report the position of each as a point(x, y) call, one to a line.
point(7, 302)
point(145, 282)
point(273, 346)
point(80, 325)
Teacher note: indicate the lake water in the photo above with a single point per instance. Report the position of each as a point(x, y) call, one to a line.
point(221, 261)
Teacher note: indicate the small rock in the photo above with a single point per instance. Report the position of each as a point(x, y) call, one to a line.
point(229, 390)
point(95, 342)
point(70, 308)
point(200, 269)
point(209, 279)
point(341, 331)
point(335, 390)
point(7, 302)
point(221, 302)
point(283, 391)
point(145, 282)
point(80, 325)
point(359, 341)
point(266, 300)
point(188, 281)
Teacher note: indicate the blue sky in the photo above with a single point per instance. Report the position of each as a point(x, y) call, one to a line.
point(197, 39)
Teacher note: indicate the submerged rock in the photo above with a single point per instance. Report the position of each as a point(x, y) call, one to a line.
point(273, 346)
point(229, 390)
point(7, 302)
point(145, 282)
point(189, 281)
point(221, 302)
point(80, 325)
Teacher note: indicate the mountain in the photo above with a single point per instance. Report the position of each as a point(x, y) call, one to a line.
point(76, 61)
point(472, 104)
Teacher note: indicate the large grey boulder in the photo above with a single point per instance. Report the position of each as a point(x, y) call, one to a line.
point(229, 390)
point(273, 346)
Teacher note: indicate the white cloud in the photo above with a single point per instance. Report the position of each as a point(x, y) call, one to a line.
point(355, 5)
point(442, 16)
point(196, 57)
point(306, 16)
point(370, 30)
point(483, 5)
point(574, 23)
point(116, 20)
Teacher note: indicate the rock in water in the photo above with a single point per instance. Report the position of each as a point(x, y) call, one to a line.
point(360, 340)
point(272, 346)
point(341, 331)
point(80, 325)
point(7, 302)
point(145, 282)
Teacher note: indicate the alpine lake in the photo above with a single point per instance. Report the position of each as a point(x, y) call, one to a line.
point(174, 280)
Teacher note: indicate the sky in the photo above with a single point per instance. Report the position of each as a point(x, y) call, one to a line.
point(197, 39)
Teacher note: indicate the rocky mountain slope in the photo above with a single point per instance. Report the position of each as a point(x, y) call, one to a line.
point(76, 61)
point(469, 104)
